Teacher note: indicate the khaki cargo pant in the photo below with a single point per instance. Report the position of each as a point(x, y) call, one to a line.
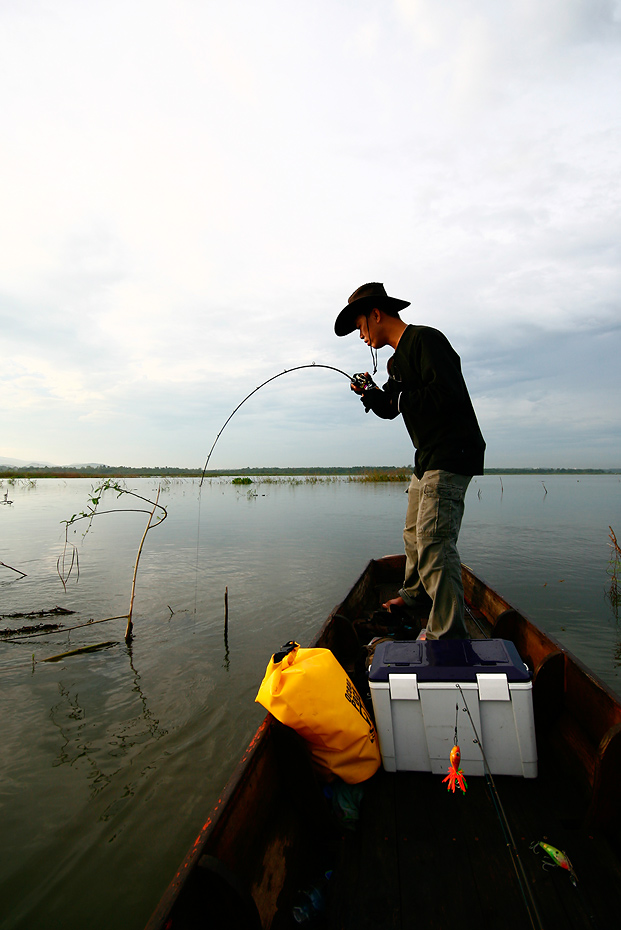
point(432, 524)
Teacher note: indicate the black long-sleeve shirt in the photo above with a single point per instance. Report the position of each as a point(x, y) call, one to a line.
point(427, 388)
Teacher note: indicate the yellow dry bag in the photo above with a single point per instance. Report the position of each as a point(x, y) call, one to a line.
point(308, 690)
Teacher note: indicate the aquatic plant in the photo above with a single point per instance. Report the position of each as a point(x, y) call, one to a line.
point(295, 480)
point(93, 511)
point(614, 567)
point(368, 476)
point(381, 475)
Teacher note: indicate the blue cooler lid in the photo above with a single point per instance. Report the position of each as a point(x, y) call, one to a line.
point(448, 660)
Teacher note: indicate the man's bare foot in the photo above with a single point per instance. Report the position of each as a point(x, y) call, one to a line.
point(394, 602)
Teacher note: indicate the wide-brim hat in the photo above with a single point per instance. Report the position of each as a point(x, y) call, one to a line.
point(364, 298)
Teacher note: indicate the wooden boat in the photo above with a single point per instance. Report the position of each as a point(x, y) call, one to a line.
point(421, 856)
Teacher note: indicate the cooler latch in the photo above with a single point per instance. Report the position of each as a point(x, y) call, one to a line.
point(403, 687)
point(493, 688)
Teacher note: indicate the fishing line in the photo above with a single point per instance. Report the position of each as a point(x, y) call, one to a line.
point(527, 895)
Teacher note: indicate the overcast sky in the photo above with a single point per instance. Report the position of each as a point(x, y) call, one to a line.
point(190, 191)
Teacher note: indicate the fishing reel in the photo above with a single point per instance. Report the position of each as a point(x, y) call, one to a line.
point(362, 382)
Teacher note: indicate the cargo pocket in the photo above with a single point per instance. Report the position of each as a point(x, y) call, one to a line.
point(440, 511)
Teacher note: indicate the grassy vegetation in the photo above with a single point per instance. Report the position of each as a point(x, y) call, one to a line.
point(362, 472)
point(553, 471)
point(7, 473)
point(381, 475)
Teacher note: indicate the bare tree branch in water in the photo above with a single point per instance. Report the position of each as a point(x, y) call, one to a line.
point(65, 570)
point(11, 569)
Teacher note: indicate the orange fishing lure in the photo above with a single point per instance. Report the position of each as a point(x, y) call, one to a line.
point(455, 774)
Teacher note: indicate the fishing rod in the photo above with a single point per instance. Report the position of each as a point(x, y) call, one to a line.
point(352, 378)
point(525, 889)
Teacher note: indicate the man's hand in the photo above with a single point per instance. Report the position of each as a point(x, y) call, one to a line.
point(362, 382)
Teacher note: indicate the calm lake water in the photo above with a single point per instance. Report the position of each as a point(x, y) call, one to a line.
point(110, 761)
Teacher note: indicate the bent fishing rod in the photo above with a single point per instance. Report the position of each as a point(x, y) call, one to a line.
point(356, 379)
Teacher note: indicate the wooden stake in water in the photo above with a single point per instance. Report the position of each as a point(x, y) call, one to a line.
point(226, 629)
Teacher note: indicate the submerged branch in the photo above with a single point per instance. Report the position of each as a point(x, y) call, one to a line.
point(11, 569)
point(80, 651)
point(63, 629)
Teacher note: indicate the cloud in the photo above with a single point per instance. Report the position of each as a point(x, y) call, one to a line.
point(190, 192)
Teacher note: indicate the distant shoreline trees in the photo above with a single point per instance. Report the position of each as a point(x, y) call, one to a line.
point(392, 472)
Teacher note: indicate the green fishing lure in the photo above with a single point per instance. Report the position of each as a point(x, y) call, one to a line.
point(558, 857)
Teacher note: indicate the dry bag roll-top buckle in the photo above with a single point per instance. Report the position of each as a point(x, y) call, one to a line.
point(284, 651)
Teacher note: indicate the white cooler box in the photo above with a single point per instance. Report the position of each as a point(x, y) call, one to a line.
point(418, 691)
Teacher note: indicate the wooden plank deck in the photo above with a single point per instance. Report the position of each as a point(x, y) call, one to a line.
point(425, 858)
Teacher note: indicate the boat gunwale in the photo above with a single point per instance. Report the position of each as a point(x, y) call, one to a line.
point(216, 821)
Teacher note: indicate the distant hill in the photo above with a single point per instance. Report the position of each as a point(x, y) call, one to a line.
point(5, 461)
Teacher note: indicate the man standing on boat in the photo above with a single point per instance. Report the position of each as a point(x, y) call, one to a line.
point(426, 386)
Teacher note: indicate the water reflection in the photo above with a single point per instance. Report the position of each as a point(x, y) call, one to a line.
point(153, 724)
point(97, 744)
point(226, 663)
